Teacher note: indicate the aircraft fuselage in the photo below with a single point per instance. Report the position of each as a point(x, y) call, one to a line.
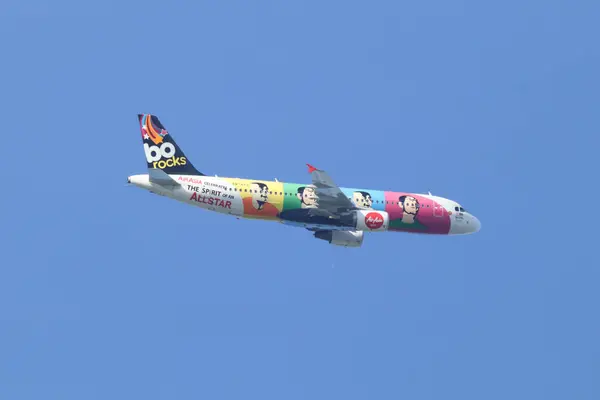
point(289, 203)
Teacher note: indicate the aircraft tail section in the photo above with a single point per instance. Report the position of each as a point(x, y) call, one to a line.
point(161, 150)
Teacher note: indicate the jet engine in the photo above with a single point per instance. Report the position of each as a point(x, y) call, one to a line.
point(371, 220)
point(342, 238)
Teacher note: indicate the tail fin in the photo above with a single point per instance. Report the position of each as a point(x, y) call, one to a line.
point(161, 150)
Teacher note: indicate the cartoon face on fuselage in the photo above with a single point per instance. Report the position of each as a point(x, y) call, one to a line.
point(362, 199)
point(410, 208)
point(260, 194)
point(307, 196)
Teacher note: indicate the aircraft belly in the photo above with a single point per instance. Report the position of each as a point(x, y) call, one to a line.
point(316, 226)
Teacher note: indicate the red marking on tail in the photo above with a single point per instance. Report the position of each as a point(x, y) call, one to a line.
point(311, 168)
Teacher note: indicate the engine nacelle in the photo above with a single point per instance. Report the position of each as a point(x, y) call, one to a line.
point(342, 238)
point(372, 220)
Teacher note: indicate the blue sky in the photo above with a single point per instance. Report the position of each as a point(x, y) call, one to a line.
point(107, 291)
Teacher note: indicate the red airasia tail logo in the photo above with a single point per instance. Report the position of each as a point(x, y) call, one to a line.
point(373, 220)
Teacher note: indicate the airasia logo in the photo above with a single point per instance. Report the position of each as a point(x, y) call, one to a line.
point(373, 220)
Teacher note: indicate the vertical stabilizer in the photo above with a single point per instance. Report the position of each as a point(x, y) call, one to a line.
point(160, 148)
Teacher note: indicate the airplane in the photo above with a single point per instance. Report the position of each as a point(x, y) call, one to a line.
point(338, 215)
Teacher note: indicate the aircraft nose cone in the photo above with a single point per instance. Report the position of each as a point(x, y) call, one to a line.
point(476, 224)
point(465, 225)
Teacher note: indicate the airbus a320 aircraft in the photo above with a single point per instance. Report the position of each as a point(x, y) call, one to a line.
point(340, 216)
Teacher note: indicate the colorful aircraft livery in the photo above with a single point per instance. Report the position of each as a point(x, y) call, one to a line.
point(338, 215)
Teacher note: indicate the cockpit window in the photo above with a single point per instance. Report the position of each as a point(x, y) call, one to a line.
point(455, 208)
point(462, 209)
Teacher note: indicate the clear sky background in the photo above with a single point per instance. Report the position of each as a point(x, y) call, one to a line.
point(109, 292)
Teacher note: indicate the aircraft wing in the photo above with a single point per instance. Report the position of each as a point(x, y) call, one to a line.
point(330, 196)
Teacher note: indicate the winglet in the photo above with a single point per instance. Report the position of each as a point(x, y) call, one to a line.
point(311, 169)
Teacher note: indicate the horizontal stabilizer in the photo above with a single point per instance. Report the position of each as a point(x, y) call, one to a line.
point(160, 177)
